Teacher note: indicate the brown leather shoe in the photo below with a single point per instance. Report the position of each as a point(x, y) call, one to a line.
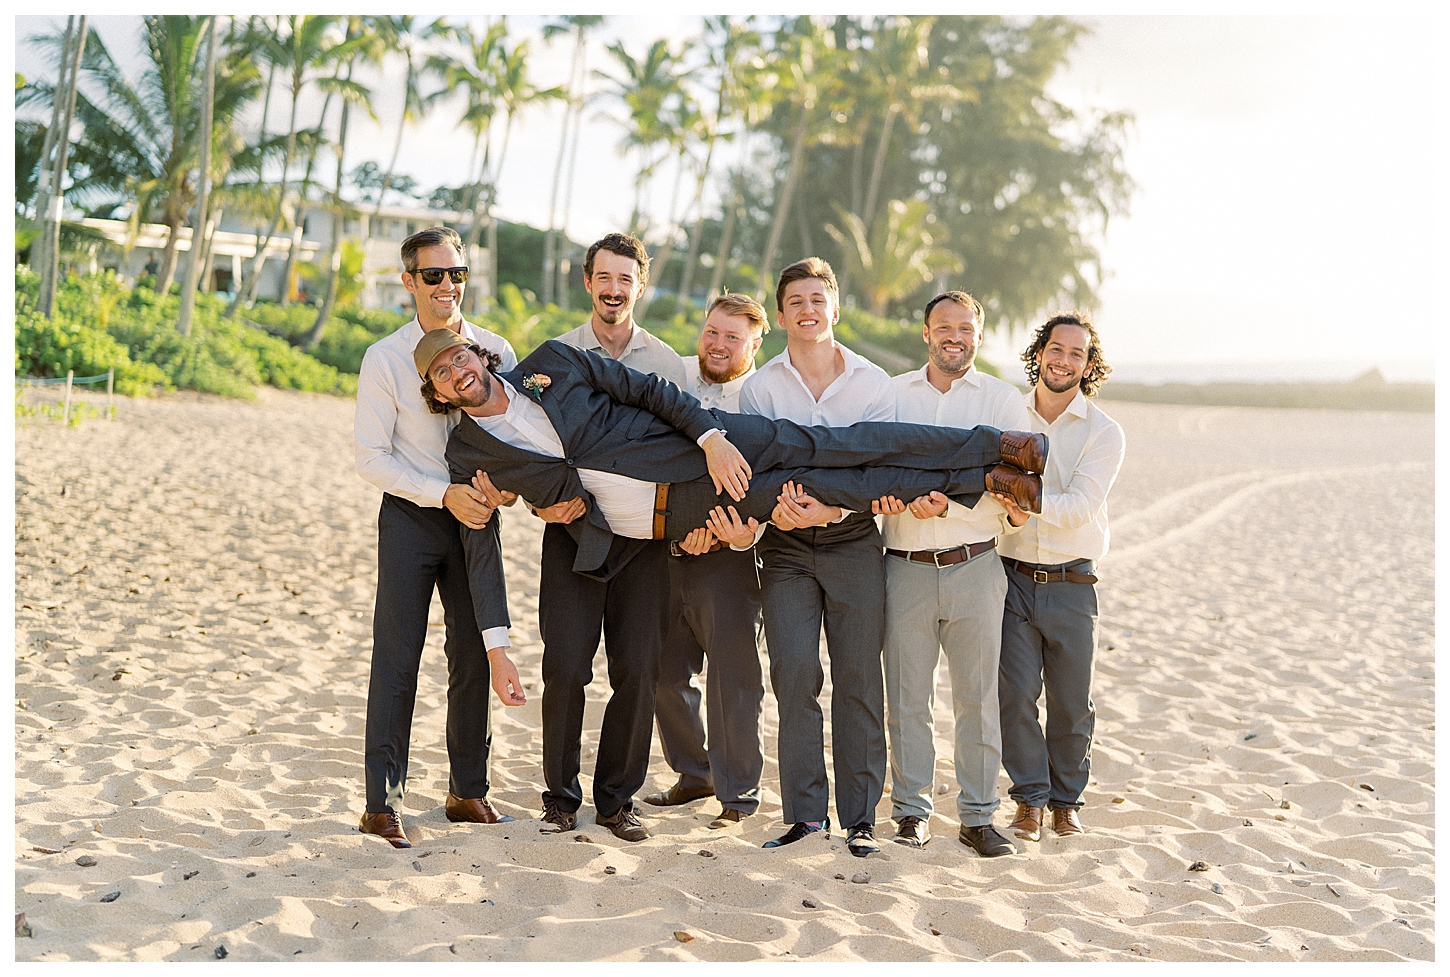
point(625, 824)
point(1022, 487)
point(1025, 451)
point(475, 809)
point(728, 817)
point(1027, 825)
point(556, 819)
point(1065, 822)
point(386, 825)
point(678, 795)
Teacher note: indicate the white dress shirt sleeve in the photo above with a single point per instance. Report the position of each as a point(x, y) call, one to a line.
point(496, 638)
point(374, 419)
point(1083, 498)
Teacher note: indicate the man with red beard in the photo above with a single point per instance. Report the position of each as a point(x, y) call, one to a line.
point(715, 611)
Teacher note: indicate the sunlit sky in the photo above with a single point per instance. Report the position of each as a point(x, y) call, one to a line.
point(1287, 203)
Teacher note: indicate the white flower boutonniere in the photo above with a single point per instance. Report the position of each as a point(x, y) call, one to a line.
point(537, 384)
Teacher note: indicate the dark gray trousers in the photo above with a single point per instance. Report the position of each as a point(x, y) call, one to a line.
point(1049, 636)
point(630, 609)
point(714, 616)
point(836, 574)
point(419, 549)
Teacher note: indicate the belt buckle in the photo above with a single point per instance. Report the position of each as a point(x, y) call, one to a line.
point(936, 558)
point(675, 548)
point(1039, 576)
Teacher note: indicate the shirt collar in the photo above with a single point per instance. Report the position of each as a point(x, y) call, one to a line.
point(1077, 407)
point(970, 377)
point(637, 336)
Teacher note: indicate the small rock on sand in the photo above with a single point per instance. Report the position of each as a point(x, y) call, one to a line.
point(683, 937)
point(111, 896)
point(861, 878)
point(1198, 866)
point(86, 861)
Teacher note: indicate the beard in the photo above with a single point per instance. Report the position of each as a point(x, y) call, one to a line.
point(475, 396)
point(712, 376)
point(1058, 386)
point(952, 362)
point(609, 316)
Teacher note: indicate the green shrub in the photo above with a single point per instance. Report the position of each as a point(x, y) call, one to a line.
point(51, 347)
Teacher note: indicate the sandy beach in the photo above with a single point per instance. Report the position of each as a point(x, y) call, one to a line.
point(194, 592)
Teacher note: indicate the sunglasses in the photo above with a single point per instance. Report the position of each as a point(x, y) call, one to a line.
point(434, 276)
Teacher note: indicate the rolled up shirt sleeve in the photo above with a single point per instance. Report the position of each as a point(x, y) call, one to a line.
point(374, 421)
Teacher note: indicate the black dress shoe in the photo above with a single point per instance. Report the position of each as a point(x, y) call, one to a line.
point(912, 832)
point(986, 841)
point(861, 841)
point(798, 831)
point(556, 819)
point(678, 795)
point(625, 824)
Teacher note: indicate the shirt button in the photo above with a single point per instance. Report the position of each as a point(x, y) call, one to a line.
point(571, 462)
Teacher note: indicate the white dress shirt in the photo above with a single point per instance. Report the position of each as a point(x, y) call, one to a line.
point(712, 396)
point(973, 398)
point(398, 442)
point(862, 393)
point(644, 352)
point(1085, 449)
point(628, 504)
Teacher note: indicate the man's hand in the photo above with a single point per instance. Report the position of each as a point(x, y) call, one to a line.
point(493, 496)
point(795, 509)
point(729, 529)
point(505, 677)
point(467, 505)
point(698, 542)
point(728, 468)
point(887, 505)
point(928, 506)
point(562, 512)
point(1015, 514)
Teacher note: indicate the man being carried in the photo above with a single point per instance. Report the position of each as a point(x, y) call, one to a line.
point(1050, 625)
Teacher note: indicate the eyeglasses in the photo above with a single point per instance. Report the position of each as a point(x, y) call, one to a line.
point(434, 276)
point(459, 361)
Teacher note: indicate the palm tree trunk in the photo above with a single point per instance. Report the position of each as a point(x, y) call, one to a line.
point(334, 254)
point(408, 83)
point(687, 276)
point(722, 254)
point(167, 272)
point(47, 165)
point(546, 270)
point(782, 204)
point(672, 231)
point(203, 191)
point(508, 122)
point(62, 149)
point(869, 210)
point(284, 296)
point(207, 284)
point(563, 286)
point(247, 292)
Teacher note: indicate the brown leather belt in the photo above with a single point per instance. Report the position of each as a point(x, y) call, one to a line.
point(662, 498)
point(1051, 576)
point(675, 549)
point(945, 558)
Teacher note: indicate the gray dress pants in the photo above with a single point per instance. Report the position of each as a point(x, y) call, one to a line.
point(1049, 636)
point(714, 616)
point(836, 574)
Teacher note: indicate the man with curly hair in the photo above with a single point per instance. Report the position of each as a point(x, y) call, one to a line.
point(1050, 622)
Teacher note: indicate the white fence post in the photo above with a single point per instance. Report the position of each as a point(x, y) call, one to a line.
point(110, 401)
point(70, 376)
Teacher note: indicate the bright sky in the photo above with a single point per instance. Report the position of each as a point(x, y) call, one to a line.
point(1286, 169)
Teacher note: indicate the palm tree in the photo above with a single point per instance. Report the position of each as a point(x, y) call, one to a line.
point(305, 52)
point(50, 221)
point(579, 25)
point(370, 50)
point(902, 252)
point(403, 33)
point(686, 124)
point(647, 88)
point(198, 227)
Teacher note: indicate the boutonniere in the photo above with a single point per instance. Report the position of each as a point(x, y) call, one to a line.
point(537, 384)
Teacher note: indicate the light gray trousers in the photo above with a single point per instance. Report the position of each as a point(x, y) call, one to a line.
point(956, 612)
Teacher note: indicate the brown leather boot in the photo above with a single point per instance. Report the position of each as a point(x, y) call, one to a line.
point(386, 825)
point(1021, 487)
point(475, 809)
point(1025, 451)
point(1027, 825)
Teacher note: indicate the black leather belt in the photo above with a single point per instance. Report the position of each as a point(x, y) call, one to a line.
point(945, 558)
point(1057, 575)
point(675, 549)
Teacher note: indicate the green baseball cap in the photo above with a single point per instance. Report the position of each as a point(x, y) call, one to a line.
point(434, 342)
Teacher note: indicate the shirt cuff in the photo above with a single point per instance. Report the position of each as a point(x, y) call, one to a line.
point(496, 638)
point(701, 439)
point(845, 514)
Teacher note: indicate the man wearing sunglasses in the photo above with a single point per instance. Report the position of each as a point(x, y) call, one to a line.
point(400, 447)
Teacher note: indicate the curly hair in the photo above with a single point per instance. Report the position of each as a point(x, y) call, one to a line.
point(1097, 369)
point(430, 393)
